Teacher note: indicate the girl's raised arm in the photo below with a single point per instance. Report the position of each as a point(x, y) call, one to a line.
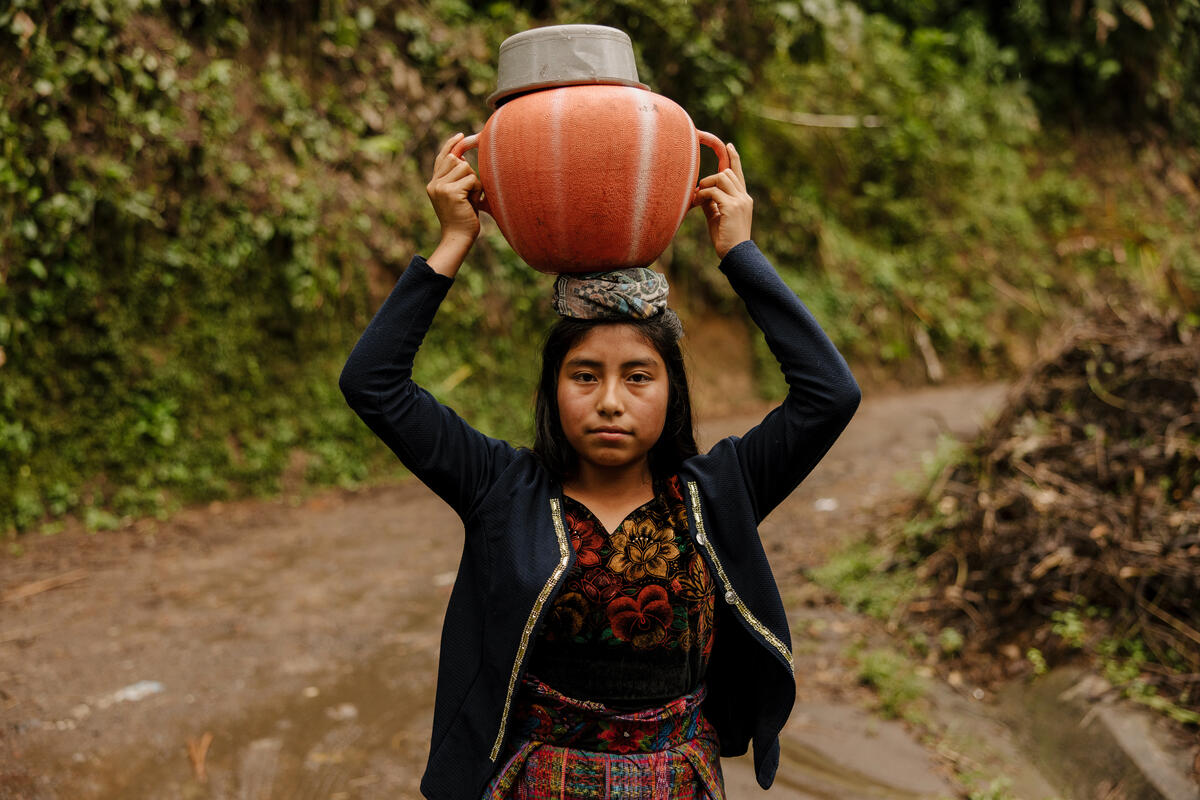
point(449, 456)
point(822, 393)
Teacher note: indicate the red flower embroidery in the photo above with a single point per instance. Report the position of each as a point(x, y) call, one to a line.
point(599, 586)
point(641, 620)
point(619, 739)
point(674, 509)
point(585, 541)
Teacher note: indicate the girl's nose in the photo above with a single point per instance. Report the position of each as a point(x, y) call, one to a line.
point(609, 402)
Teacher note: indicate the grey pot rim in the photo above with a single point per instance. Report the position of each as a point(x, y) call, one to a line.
point(533, 36)
point(499, 97)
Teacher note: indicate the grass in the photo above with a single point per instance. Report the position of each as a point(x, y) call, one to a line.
point(892, 675)
point(862, 578)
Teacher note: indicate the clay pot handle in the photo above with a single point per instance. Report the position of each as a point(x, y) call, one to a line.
point(718, 147)
point(470, 143)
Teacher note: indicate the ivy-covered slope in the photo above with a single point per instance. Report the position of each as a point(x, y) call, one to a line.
point(202, 201)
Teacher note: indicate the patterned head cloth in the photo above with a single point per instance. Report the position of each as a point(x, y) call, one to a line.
point(637, 293)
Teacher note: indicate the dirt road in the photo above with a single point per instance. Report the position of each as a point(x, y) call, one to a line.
point(263, 650)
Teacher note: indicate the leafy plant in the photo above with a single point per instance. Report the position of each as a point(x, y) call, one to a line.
point(859, 577)
point(1111, 61)
point(1068, 626)
point(892, 677)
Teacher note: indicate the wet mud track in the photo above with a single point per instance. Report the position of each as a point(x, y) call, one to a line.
point(257, 650)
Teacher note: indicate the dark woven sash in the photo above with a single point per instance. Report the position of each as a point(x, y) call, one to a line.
point(553, 718)
point(563, 747)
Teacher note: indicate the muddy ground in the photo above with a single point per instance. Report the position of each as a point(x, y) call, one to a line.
point(287, 649)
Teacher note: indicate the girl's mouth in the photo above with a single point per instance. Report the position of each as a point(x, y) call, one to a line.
point(610, 434)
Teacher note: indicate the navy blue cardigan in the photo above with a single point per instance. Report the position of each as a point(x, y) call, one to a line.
point(516, 551)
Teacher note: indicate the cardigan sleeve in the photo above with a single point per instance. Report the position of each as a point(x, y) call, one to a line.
point(782, 450)
point(449, 456)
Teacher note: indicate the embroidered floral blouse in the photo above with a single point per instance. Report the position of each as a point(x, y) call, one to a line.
point(632, 626)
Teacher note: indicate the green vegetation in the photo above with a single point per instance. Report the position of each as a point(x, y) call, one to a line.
point(1125, 662)
point(997, 789)
point(864, 580)
point(895, 682)
point(203, 202)
point(199, 229)
point(1092, 60)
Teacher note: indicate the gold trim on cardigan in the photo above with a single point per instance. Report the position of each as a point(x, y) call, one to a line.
point(564, 548)
point(731, 596)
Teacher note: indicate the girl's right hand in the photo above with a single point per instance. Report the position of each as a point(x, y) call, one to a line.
point(453, 191)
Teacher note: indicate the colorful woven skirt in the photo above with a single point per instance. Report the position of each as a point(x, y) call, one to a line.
point(568, 749)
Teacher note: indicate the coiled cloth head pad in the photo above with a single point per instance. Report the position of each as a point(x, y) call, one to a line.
point(635, 293)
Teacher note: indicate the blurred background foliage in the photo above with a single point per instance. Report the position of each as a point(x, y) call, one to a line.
point(203, 201)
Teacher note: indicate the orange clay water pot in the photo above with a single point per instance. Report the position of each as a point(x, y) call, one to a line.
point(591, 177)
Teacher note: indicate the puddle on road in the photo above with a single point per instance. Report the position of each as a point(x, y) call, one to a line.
point(813, 775)
point(365, 736)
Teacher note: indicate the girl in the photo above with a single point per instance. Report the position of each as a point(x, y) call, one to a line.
point(614, 627)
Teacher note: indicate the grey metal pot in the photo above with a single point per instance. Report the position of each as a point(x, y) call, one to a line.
point(563, 55)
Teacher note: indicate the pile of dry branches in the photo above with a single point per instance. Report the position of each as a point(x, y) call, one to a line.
point(1083, 496)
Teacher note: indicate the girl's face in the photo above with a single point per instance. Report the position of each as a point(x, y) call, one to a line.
point(612, 396)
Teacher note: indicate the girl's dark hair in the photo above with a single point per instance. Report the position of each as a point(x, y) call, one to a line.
point(678, 440)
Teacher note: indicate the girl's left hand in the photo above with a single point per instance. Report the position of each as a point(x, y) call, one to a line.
point(727, 205)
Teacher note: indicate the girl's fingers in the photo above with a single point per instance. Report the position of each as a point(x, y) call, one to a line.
point(713, 194)
point(446, 164)
point(441, 166)
point(449, 144)
point(726, 179)
point(464, 185)
point(458, 169)
point(451, 169)
point(444, 161)
point(735, 164)
point(716, 199)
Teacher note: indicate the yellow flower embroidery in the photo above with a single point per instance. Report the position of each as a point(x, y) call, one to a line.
point(642, 550)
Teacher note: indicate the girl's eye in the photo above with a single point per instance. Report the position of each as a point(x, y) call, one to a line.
point(640, 377)
point(584, 377)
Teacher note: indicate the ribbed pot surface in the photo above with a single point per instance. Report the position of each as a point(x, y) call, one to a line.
point(589, 178)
